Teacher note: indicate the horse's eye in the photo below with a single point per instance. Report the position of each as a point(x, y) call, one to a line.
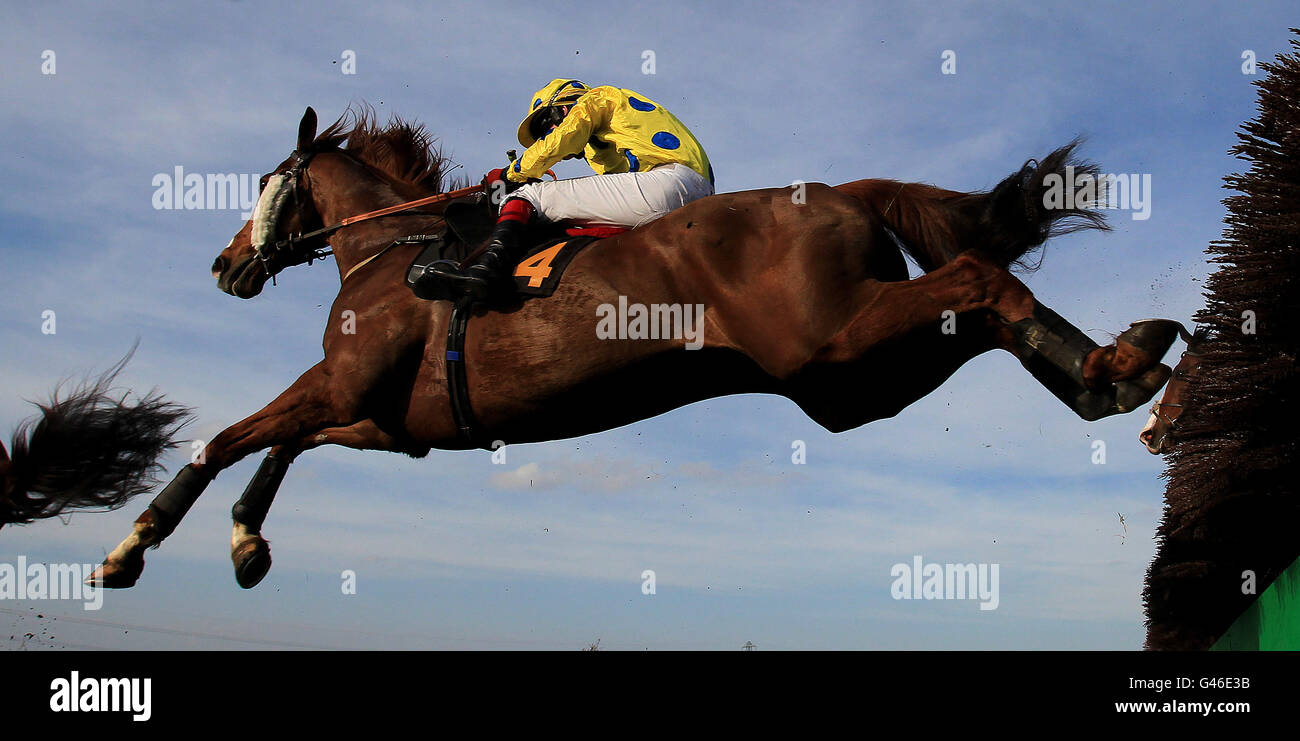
point(262, 183)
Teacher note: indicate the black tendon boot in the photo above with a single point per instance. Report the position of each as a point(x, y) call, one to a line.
point(489, 275)
point(1054, 351)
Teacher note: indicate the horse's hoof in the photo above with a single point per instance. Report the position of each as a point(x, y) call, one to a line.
point(1134, 394)
point(252, 560)
point(1152, 336)
point(116, 576)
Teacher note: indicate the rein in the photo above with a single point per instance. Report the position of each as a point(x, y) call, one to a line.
point(268, 254)
point(271, 252)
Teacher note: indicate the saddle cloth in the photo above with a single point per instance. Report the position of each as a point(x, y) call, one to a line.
point(469, 224)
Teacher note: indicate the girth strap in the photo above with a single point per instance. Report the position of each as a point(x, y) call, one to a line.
point(457, 385)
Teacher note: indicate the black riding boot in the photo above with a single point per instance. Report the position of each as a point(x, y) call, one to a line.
point(490, 274)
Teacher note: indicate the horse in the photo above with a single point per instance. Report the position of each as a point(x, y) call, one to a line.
point(1166, 411)
point(805, 290)
point(86, 449)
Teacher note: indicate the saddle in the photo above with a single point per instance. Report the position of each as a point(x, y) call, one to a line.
point(469, 224)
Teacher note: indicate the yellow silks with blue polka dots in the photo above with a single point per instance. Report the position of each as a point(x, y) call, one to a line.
point(614, 129)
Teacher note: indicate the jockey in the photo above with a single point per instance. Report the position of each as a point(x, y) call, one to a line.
point(647, 163)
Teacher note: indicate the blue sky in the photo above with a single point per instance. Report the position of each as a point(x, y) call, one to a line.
point(455, 552)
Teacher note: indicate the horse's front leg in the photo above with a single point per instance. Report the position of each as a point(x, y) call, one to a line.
point(306, 406)
point(250, 552)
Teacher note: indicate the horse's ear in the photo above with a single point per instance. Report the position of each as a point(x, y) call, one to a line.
point(307, 129)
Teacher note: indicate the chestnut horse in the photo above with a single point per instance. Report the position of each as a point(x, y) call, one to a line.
point(805, 289)
point(88, 448)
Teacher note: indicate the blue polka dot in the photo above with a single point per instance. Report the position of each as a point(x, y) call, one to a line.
point(517, 163)
point(665, 140)
point(639, 104)
point(537, 103)
point(632, 163)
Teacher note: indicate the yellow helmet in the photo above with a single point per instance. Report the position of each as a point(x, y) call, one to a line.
point(557, 92)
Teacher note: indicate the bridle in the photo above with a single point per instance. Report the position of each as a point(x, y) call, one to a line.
point(294, 249)
point(1181, 375)
point(288, 252)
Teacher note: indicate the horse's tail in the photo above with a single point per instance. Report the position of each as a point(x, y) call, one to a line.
point(87, 449)
point(1042, 200)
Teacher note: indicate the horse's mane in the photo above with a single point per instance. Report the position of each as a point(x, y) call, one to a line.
point(403, 150)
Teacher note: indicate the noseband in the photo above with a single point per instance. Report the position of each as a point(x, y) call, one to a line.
point(288, 252)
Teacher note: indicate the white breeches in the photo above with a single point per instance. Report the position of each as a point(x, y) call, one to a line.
point(627, 199)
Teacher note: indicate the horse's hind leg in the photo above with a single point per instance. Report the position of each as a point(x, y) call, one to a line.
point(250, 552)
point(1091, 380)
point(892, 310)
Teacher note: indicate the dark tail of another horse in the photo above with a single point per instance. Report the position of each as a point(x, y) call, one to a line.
point(1056, 196)
point(87, 449)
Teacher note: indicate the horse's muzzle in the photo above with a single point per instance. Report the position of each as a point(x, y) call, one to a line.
point(241, 281)
point(1154, 437)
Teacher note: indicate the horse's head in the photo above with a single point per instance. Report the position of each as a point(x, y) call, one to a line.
point(1165, 413)
point(272, 239)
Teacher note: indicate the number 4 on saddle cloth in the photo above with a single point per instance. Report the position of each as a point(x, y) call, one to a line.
point(469, 224)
